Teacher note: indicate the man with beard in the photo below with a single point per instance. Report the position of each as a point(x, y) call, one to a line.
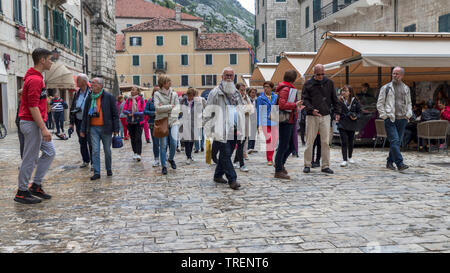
point(395, 108)
point(221, 122)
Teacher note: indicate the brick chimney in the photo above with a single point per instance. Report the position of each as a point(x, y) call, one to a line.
point(178, 13)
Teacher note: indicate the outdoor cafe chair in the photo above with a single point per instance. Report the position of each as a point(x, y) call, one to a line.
point(433, 129)
point(381, 132)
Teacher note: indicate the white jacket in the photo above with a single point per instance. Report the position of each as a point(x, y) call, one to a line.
point(386, 105)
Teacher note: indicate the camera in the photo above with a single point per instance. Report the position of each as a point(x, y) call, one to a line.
point(94, 115)
point(352, 115)
point(76, 110)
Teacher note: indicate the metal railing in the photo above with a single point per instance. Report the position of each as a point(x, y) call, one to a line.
point(332, 8)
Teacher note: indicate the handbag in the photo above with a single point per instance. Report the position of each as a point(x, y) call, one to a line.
point(279, 115)
point(161, 128)
point(117, 142)
point(208, 151)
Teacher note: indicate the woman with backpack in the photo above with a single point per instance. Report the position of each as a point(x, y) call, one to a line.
point(350, 113)
point(134, 110)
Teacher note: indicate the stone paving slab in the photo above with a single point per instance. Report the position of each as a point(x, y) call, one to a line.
point(362, 208)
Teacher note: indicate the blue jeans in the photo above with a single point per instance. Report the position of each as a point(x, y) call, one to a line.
point(395, 131)
point(155, 141)
point(200, 144)
point(224, 164)
point(97, 135)
point(173, 135)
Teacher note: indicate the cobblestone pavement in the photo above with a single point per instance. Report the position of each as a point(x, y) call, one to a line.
point(362, 208)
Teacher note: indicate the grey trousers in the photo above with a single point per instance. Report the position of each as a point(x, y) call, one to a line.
point(32, 145)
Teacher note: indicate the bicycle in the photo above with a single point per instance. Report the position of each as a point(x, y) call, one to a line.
point(3, 131)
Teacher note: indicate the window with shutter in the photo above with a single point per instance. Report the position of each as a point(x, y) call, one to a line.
point(1, 8)
point(18, 11)
point(184, 40)
point(81, 44)
point(208, 59)
point(233, 59)
point(136, 60)
point(263, 33)
point(316, 10)
point(256, 38)
point(137, 80)
point(56, 35)
point(410, 28)
point(159, 40)
point(35, 14)
point(281, 28)
point(74, 39)
point(184, 80)
point(46, 21)
point(307, 17)
point(444, 23)
point(160, 61)
point(184, 59)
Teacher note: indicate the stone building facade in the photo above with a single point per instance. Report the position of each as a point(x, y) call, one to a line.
point(103, 41)
point(308, 20)
point(81, 31)
point(276, 28)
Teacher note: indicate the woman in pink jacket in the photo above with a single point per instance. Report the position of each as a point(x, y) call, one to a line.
point(134, 110)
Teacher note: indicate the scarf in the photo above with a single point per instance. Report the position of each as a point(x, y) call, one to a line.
point(94, 98)
point(134, 107)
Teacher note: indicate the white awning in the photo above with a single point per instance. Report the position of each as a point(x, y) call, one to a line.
point(3, 73)
point(425, 56)
point(400, 52)
point(59, 76)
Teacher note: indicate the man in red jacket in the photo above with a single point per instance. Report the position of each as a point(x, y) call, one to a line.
point(287, 101)
point(33, 114)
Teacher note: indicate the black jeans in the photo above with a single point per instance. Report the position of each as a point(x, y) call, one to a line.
point(188, 145)
point(347, 143)
point(214, 151)
point(85, 143)
point(239, 156)
point(302, 132)
point(135, 131)
point(318, 147)
point(285, 145)
point(251, 144)
point(224, 164)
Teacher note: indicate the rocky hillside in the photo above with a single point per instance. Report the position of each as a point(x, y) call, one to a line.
point(219, 15)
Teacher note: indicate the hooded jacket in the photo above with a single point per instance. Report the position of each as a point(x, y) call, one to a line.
point(283, 89)
point(34, 94)
point(345, 121)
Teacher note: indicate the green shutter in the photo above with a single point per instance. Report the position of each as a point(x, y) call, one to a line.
point(233, 59)
point(81, 47)
point(444, 23)
point(160, 61)
point(136, 60)
point(74, 39)
point(307, 17)
point(47, 25)
point(136, 80)
point(159, 40)
point(184, 40)
point(64, 32)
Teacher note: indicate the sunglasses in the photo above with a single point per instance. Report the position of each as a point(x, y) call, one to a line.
point(320, 74)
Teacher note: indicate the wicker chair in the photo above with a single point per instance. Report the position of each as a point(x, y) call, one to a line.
point(433, 129)
point(381, 132)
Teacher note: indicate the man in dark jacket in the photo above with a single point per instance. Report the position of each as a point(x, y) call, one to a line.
point(319, 97)
point(430, 113)
point(76, 118)
point(100, 120)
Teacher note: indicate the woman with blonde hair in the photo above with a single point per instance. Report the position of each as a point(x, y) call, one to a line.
point(134, 110)
point(167, 105)
point(191, 105)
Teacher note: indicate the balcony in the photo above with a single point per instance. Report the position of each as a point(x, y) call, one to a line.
point(160, 67)
point(58, 2)
point(336, 11)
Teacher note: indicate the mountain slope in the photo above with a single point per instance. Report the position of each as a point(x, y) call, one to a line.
point(218, 15)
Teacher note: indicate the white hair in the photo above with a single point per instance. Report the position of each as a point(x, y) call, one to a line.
point(402, 70)
point(99, 80)
point(227, 69)
point(84, 77)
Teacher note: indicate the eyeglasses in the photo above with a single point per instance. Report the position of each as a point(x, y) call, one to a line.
point(320, 74)
point(229, 75)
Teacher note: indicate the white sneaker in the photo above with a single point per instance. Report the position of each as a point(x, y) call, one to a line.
point(188, 161)
point(351, 161)
point(156, 163)
point(236, 165)
point(138, 157)
point(344, 164)
point(244, 169)
point(134, 156)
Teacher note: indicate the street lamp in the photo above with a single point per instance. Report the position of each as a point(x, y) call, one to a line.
point(56, 54)
point(122, 78)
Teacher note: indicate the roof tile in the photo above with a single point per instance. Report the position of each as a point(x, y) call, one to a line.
point(145, 9)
